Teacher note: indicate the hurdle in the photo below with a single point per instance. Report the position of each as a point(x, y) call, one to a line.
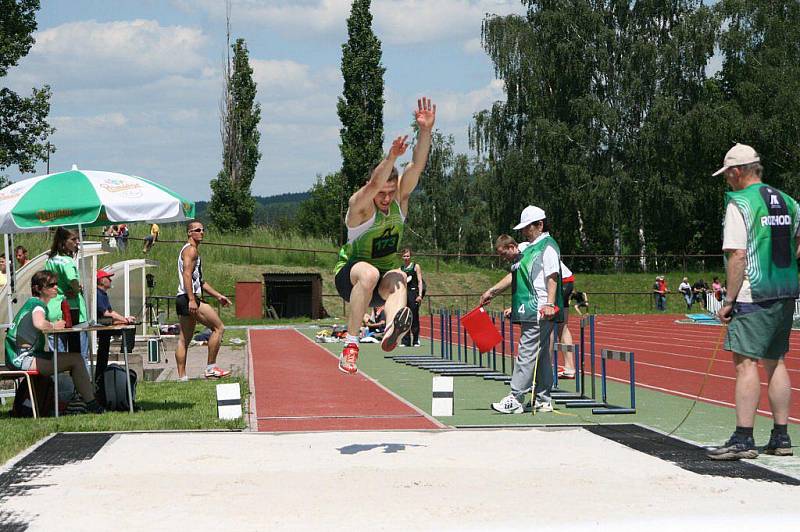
point(587, 322)
point(621, 356)
point(450, 361)
point(557, 393)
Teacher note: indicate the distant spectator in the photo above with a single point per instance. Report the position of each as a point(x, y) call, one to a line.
point(686, 289)
point(716, 287)
point(3, 275)
point(150, 239)
point(110, 234)
point(22, 256)
point(122, 237)
point(699, 290)
point(374, 323)
point(660, 293)
point(581, 300)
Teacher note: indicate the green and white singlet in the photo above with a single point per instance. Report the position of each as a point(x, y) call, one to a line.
point(376, 241)
point(771, 219)
point(528, 288)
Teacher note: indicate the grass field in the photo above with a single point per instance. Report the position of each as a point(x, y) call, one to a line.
point(165, 406)
point(223, 266)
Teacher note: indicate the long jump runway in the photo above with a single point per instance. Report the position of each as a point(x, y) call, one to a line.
point(298, 387)
point(522, 479)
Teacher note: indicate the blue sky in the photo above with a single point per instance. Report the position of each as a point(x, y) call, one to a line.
point(136, 85)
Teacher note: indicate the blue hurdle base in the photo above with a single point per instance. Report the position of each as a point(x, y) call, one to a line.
point(584, 403)
point(613, 410)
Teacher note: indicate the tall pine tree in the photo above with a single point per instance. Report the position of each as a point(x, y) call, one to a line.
point(360, 107)
point(232, 206)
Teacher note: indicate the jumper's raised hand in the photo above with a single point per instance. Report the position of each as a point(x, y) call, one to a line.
point(425, 114)
point(399, 146)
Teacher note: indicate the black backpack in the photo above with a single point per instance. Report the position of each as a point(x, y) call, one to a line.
point(113, 389)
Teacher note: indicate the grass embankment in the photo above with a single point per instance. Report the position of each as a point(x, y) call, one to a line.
point(224, 266)
point(165, 406)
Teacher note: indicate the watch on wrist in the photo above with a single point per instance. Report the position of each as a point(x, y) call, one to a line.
point(728, 303)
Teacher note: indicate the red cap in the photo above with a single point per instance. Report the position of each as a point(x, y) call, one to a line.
point(101, 274)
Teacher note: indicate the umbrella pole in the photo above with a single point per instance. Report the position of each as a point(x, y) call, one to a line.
point(10, 294)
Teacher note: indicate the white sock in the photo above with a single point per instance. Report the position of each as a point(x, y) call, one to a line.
point(350, 339)
point(209, 367)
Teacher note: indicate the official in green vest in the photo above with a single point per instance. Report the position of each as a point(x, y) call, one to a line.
point(536, 293)
point(26, 345)
point(760, 240)
point(367, 272)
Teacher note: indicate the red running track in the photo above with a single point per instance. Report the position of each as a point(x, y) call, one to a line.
point(671, 357)
point(298, 387)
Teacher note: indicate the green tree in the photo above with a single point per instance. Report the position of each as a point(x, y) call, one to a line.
point(360, 108)
point(322, 213)
point(760, 79)
point(232, 206)
point(24, 128)
point(595, 92)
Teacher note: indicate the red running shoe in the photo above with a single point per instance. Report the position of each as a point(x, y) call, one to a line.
point(348, 359)
point(216, 373)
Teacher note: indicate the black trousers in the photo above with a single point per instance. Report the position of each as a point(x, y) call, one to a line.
point(413, 336)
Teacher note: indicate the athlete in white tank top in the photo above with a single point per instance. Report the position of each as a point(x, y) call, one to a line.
point(191, 310)
point(197, 274)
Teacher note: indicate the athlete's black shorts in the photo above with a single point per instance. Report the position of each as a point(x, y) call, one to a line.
point(182, 304)
point(345, 287)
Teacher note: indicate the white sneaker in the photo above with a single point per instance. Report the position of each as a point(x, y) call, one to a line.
point(417, 344)
point(543, 407)
point(185, 378)
point(508, 405)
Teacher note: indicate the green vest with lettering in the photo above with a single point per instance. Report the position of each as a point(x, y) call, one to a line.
point(524, 296)
point(771, 219)
point(379, 244)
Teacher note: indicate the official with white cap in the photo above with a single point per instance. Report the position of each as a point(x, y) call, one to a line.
point(535, 279)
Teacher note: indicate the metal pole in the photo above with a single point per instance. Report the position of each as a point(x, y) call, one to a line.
point(494, 348)
point(458, 332)
point(633, 385)
point(503, 335)
point(430, 313)
point(592, 354)
point(603, 378)
point(441, 331)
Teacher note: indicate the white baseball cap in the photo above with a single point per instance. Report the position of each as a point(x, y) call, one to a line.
point(529, 215)
point(738, 155)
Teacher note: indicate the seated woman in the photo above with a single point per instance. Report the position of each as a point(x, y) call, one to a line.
point(25, 340)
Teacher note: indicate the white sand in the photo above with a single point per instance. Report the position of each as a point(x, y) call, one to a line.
point(494, 479)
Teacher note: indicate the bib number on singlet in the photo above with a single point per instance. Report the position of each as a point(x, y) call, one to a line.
point(386, 244)
point(521, 309)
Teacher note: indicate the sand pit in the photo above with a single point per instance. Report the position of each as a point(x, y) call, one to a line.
point(469, 479)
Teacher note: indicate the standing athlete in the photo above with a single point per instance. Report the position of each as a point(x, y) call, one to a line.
point(191, 308)
point(415, 286)
point(367, 272)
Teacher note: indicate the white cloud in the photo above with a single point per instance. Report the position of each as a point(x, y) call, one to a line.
point(78, 124)
point(473, 46)
point(114, 53)
point(281, 77)
point(394, 21)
